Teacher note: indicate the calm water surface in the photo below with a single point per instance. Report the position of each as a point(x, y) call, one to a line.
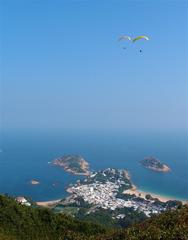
point(25, 156)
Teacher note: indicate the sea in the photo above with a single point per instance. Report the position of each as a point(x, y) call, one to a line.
point(27, 155)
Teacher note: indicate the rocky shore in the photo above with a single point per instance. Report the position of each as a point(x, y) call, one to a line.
point(74, 164)
point(154, 164)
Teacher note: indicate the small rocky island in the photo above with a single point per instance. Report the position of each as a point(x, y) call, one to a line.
point(34, 182)
point(74, 164)
point(154, 164)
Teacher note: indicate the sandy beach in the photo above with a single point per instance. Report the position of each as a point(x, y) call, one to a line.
point(131, 191)
point(166, 168)
point(48, 203)
point(140, 193)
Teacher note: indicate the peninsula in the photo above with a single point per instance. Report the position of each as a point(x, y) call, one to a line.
point(154, 164)
point(109, 191)
point(74, 164)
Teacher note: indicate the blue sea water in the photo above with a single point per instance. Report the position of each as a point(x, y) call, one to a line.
point(25, 156)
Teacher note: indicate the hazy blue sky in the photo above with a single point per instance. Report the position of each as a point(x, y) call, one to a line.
point(64, 68)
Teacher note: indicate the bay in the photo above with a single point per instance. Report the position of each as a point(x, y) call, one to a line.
point(26, 155)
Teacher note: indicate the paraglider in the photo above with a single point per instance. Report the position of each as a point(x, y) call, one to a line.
point(133, 40)
point(121, 38)
point(124, 38)
point(139, 38)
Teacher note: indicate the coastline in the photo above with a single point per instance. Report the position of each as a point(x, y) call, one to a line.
point(48, 203)
point(87, 173)
point(134, 190)
point(83, 165)
point(165, 169)
point(131, 191)
point(141, 193)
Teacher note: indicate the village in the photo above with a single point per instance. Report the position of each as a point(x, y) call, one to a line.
point(104, 189)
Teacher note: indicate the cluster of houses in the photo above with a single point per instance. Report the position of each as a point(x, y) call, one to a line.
point(104, 195)
point(23, 201)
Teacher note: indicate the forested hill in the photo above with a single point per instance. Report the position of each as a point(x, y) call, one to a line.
point(19, 222)
point(170, 225)
point(25, 223)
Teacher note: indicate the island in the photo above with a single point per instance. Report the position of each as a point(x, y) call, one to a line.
point(74, 164)
point(34, 182)
point(154, 164)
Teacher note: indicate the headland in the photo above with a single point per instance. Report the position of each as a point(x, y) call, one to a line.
point(110, 190)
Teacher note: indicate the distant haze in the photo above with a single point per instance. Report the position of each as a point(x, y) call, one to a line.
point(64, 68)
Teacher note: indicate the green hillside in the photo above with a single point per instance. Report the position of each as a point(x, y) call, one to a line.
point(171, 225)
point(19, 222)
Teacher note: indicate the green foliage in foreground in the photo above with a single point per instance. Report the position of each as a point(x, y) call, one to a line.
point(19, 222)
point(171, 225)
